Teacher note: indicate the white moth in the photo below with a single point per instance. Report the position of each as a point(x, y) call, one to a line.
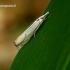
point(30, 31)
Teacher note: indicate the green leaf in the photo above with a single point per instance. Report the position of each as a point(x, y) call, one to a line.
point(50, 48)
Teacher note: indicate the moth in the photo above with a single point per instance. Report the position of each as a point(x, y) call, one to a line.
point(30, 31)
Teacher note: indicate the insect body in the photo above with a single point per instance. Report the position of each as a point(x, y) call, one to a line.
point(30, 31)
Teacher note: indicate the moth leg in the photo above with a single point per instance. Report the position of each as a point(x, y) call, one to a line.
point(19, 47)
point(36, 30)
point(34, 34)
